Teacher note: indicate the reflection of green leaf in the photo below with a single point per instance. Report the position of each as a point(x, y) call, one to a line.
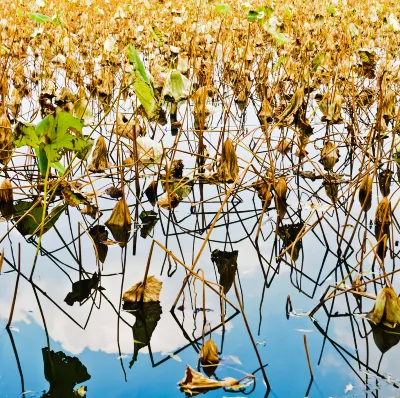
point(182, 187)
point(39, 18)
point(30, 224)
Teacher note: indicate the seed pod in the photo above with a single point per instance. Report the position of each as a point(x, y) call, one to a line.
point(99, 157)
point(5, 138)
point(384, 178)
point(365, 192)
point(209, 357)
point(114, 192)
point(329, 155)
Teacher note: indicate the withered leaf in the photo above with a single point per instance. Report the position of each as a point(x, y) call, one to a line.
point(150, 292)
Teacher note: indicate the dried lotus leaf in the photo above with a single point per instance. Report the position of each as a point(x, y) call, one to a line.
point(149, 292)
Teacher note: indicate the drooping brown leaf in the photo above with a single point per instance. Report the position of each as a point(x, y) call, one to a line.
point(5, 138)
point(6, 191)
point(228, 168)
point(99, 161)
point(386, 309)
point(365, 192)
point(120, 222)
point(385, 179)
point(209, 357)
point(329, 155)
point(295, 103)
point(150, 292)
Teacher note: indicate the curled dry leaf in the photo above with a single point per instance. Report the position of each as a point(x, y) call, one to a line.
point(386, 309)
point(209, 357)
point(5, 138)
point(329, 155)
point(99, 161)
point(196, 383)
point(120, 221)
point(150, 292)
point(228, 168)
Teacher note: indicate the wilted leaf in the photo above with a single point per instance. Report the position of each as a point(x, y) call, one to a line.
point(195, 383)
point(386, 309)
point(209, 357)
point(151, 291)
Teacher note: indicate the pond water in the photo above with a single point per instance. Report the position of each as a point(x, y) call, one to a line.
point(105, 339)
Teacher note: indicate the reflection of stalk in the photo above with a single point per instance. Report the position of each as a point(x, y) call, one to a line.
point(43, 219)
point(251, 337)
point(21, 375)
point(16, 288)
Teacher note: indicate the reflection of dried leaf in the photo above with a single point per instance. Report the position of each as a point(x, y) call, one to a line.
point(151, 291)
point(151, 193)
point(385, 338)
point(149, 220)
point(99, 234)
point(195, 383)
point(81, 290)
point(226, 263)
point(147, 316)
point(384, 179)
